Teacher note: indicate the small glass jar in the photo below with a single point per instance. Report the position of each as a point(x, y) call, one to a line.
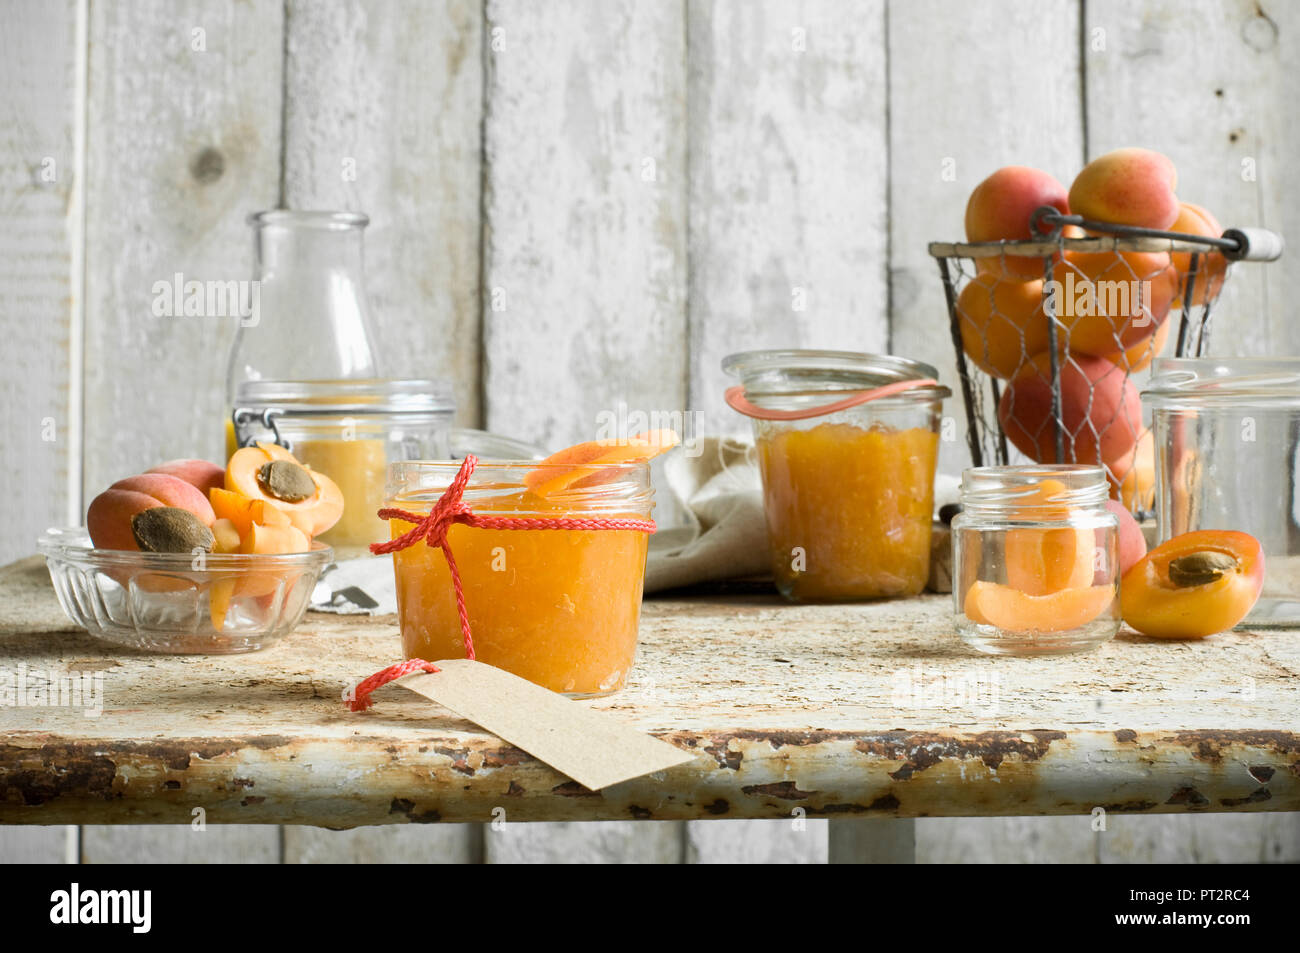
point(350, 430)
point(1035, 560)
point(1227, 442)
point(558, 607)
point(848, 495)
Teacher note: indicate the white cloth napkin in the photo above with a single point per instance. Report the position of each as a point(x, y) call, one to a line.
point(725, 537)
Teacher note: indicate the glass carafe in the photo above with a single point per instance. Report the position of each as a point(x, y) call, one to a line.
point(308, 318)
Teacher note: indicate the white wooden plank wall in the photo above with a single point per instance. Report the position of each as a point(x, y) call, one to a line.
point(1021, 68)
point(577, 203)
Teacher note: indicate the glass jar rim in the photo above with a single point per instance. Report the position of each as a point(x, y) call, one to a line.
point(1001, 488)
point(322, 219)
point(423, 482)
point(780, 373)
point(1194, 380)
point(354, 396)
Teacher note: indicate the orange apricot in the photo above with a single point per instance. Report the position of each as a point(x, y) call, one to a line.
point(200, 474)
point(1127, 187)
point(990, 603)
point(1110, 301)
point(1101, 412)
point(311, 514)
point(170, 491)
point(1002, 323)
point(1140, 355)
point(1212, 267)
point(999, 209)
point(110, 514)
point(1132, 477)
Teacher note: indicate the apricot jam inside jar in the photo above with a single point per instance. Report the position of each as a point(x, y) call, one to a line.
point(350, 430)
point(848, 494)
point(559, 607)
point(1035, 560)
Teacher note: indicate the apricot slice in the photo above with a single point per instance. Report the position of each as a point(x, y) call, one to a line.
point(314, 515)
point(227, 536)
point(232, 507)
point(1043, 561)
point(585, 460)
point(219, 594)
point(990, 603)
point(274, 540)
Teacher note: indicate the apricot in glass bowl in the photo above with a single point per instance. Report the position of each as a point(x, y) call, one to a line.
point(200, 604)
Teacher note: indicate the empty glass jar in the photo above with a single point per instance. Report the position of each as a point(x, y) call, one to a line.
point(1035, 560)
point(1227, 441)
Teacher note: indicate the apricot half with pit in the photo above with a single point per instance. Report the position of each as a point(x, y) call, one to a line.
point(110, 514)
point(311, 501)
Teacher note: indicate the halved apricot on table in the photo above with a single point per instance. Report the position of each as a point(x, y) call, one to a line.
point(1193, 585)
point(991, 603)
point(581, 465)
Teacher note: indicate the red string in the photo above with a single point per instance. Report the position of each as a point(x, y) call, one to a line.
point(432, 528)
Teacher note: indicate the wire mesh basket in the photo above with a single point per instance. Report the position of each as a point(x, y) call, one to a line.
point(1048, 343)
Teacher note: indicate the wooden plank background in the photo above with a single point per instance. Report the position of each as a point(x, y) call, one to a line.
point(576, 203)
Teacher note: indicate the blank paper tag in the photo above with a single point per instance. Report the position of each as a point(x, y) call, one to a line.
point(592, 747)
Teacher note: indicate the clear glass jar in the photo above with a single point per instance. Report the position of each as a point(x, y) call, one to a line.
point(1035, 560)
point(350, 430)
point(1227, 440)
point(558, 607)
point(311, 320)
point(848, 495)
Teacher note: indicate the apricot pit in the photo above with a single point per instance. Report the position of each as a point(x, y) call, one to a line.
point(170, 529)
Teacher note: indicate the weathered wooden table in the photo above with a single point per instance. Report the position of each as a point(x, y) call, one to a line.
point(855, 711)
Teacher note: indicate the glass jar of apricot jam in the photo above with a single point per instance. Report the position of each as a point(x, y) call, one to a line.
point(848, 494)
point(559, 607)
point(1035, 560)
point(351, 430)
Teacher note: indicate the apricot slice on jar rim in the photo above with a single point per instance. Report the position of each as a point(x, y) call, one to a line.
point(991, 603)
point(1193, 585)
point(586, 460)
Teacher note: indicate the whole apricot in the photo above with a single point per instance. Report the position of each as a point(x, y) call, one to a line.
point(999, 209)
point(1127, 187)
point(1101, 412)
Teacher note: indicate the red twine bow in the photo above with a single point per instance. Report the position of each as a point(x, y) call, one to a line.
point(432, 527)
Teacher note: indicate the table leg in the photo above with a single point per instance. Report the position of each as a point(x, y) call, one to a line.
point(871, 840)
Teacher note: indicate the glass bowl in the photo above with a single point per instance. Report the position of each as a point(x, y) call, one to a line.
point(208, 603)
